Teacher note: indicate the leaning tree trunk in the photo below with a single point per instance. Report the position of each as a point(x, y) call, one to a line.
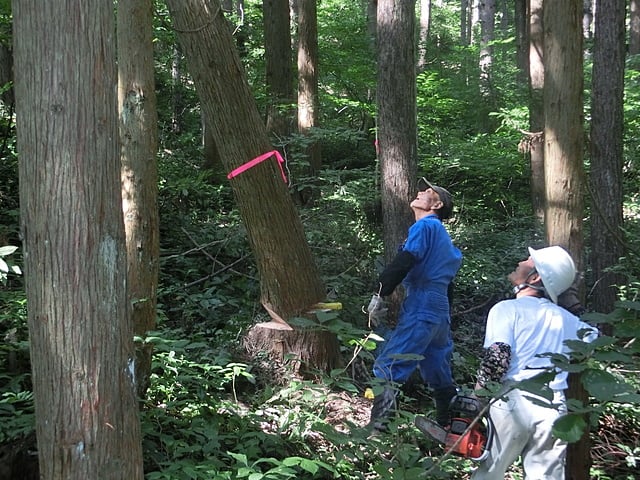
point(290, 282)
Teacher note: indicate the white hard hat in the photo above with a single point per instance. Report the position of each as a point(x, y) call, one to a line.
point(556, 269)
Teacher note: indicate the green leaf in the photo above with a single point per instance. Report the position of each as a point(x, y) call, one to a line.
point(569, 427)
point(628, 328)
point(302, 322)
point(608, 357)
point(604, 386)
point(538, 385)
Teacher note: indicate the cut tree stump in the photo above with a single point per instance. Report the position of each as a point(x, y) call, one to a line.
point(305, 352)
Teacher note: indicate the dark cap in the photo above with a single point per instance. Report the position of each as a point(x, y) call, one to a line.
point(445, 197)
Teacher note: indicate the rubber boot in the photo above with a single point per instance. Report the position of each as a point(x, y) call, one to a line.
point(383, 405)
point(442, 398)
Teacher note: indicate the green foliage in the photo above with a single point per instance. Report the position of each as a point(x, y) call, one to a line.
point(16, 399)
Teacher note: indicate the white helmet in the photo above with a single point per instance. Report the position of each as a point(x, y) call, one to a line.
point(556, 269)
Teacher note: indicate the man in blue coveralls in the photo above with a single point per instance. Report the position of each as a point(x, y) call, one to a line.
point(426, 265)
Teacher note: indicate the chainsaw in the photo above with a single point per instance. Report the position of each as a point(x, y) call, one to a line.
point(469, 433)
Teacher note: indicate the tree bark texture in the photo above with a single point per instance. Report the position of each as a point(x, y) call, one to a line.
point(289, 279)
point(75, 259)
point(563, 133)
point(278, 65)
point(465, 21)
point(521, 21)
point(487, 10)
point(423, 36)
point(564, 175)
point(536, 107)
point(6, 76)
point(303, 353)
point(397, 122)
point(308, 77)
point(139, 137)
point(634, 27)
point(607, 115)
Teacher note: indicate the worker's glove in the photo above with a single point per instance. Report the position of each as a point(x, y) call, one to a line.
point(377, 311)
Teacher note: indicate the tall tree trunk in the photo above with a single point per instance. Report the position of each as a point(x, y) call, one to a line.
point(176, 94)
point(139, 137)
point(487, 9)
point(474, 19)
point(397, 122)
point(308, 77)
point(587, 18)
point(6, 76)
point(521, 20)
point(634, 27)
point(278, 66)
point(564, 175)
point(465, 20)
point(536, 107)
point(80, 328)
point(423, 36)
point(372, 23)
point(563, 132)
point(290, 282)
point(607, 114)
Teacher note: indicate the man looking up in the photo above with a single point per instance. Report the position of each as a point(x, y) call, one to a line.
point(519, 332)
point(426, 264)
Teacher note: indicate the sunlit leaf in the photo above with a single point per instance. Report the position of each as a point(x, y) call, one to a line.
point(569, 427)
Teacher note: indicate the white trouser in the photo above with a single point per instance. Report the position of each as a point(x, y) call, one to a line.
point(524, 428)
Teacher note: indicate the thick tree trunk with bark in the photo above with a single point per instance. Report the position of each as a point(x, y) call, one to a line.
point(563, 133)
point(278, 63)
point(465, 21)
point(564, 172)
point(303, 353)
point(397, 123)
point(290, 282)
point(423, 36)
point(75, 259)
point(536, 107)
point(521, 18)
point(139, 137)
point(634, 27)
point(6, 75)
point(487, 10)
point(607, 93)
point(308, 77)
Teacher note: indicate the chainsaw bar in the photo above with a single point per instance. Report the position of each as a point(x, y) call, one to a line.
point(431, 428)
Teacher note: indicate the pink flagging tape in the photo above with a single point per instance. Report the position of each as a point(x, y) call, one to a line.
point(252, 163)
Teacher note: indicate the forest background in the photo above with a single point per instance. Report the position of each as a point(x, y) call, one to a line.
point(216, 408)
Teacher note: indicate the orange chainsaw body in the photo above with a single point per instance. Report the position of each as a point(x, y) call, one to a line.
point(459, 437)
point(472, 443)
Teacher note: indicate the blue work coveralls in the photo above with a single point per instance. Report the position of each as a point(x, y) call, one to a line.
point(424, 323)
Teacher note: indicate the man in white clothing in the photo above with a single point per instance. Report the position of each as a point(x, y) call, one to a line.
point(519, 332)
